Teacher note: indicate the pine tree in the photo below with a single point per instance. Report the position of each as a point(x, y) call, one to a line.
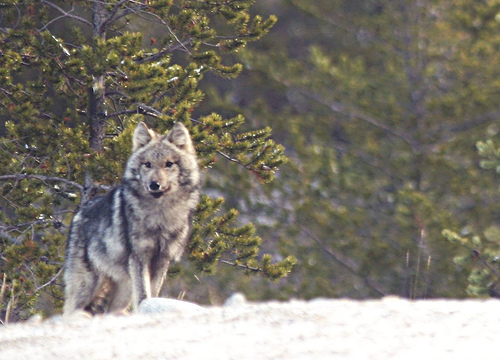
point(75, 79)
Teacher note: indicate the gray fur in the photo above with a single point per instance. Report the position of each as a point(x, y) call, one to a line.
point(120, 245)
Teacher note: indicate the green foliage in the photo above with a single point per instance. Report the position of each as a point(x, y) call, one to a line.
point(379, 105)
point(482, 253)
point(491, 155)
point(75, 79)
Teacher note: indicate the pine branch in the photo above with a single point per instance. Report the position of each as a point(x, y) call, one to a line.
point(477, 255)
point(168, 50)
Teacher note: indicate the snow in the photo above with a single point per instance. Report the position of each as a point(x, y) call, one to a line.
point(390, 328)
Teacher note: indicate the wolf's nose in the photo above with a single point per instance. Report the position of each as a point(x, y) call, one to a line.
point(154, 186)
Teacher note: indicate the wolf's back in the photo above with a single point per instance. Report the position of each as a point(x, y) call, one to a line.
point(100, 228)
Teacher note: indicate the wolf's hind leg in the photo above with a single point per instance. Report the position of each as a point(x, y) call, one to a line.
point(158, 277)
point(80, 290)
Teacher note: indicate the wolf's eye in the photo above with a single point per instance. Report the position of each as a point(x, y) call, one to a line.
point(169, 164)
point(147, 164)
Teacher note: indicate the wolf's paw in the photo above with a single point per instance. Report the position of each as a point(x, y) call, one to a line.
point(123, 312)
point(77, 315)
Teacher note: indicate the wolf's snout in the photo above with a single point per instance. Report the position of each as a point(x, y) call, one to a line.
point(154, 186)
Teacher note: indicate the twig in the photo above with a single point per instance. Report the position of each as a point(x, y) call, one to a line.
point(228, 157)
point(246, 267)
point(54, 278)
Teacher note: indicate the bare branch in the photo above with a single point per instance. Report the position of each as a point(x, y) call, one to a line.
point(116, 15)
point(18, 177)
point(58, 224)
point(23, 228)
point(7, 236)
point(140, 109)
point(67, 14)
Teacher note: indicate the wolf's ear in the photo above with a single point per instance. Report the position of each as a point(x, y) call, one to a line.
point(179, 136)
point(142, 136)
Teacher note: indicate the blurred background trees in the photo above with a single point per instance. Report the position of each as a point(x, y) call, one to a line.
point(379, 106)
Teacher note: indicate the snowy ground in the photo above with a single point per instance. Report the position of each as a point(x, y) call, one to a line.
point(319, 329)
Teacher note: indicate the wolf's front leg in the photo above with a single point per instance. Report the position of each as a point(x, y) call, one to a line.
point(159, 270)
point(141, 281)
point(121, 297)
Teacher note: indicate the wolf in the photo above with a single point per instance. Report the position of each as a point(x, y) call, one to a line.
point(120, 244)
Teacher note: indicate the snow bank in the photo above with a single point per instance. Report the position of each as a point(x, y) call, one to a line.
point(390, 328)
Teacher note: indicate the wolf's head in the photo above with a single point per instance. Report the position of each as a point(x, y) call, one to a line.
point(162, 164)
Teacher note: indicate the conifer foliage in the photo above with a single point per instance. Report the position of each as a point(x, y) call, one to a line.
point(75, 79)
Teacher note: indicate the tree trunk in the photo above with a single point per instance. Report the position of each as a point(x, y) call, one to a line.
point(96, 113)
point(96, 96)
